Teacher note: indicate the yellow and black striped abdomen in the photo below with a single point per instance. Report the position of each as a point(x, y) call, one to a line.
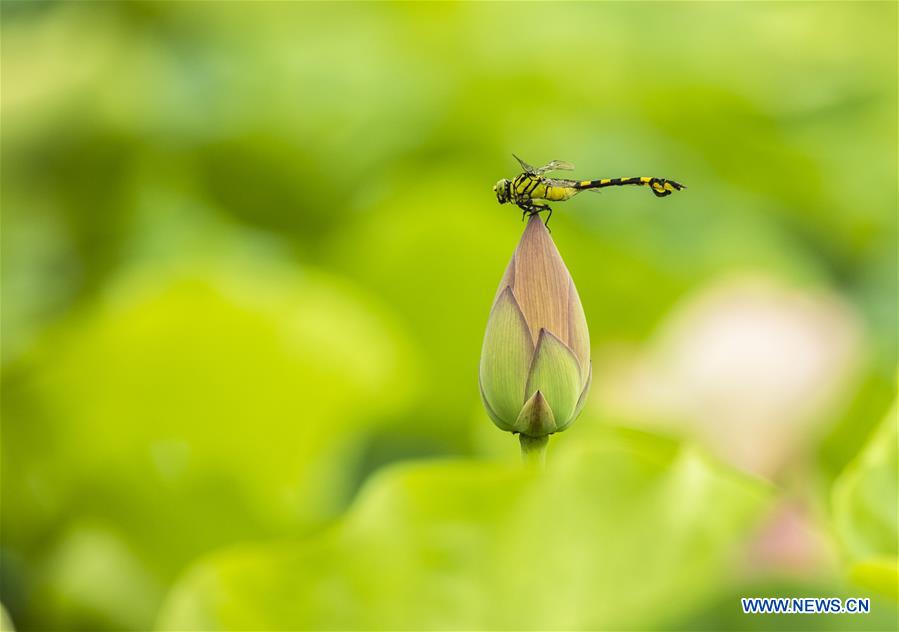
point(660, 186)
point(613, 182)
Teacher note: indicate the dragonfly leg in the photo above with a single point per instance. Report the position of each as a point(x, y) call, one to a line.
point(531, 208)
point(537, 208)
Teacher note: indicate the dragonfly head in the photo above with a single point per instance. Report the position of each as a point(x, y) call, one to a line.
point(503, 190)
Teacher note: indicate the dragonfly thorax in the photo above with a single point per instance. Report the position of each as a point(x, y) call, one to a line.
point(503, 190)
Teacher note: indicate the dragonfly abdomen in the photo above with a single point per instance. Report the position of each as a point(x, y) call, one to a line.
point(660, 186)
point(612, 182)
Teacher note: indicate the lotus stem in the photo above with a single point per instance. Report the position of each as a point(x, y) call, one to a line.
point(533, 450)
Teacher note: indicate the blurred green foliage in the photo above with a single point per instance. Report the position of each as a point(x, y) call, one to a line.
point(248, 252)
point(868, 526)
point(494, 547)
point(162, 381)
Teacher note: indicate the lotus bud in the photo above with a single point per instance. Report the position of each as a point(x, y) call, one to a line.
point(535, 363)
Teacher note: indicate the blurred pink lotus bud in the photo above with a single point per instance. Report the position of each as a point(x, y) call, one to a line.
point(749, 366)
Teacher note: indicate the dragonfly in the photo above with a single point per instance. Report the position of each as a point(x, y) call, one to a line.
point(531, 185)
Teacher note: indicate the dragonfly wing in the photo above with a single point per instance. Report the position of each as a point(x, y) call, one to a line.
point(525, 166)
point(558, 182)
point(555, 165)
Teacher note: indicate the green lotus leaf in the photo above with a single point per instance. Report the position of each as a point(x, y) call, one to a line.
point(192, 407)
point(865, 498)
point(5, 624)
point(505, 359)
point(492, 546)
point(880, 574)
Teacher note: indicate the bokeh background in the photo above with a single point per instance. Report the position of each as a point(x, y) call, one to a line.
point(248, 252)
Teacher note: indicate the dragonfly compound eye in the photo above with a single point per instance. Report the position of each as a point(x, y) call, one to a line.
point(501, 189)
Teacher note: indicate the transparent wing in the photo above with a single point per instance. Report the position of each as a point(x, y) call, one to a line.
point(558, 182)
point(555, 165)
point(524, 166)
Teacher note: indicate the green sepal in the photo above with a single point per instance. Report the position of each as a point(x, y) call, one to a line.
point(505, 360)
point(536, 418)
point(582, 399)
point(500, 423)
point(555, 373)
